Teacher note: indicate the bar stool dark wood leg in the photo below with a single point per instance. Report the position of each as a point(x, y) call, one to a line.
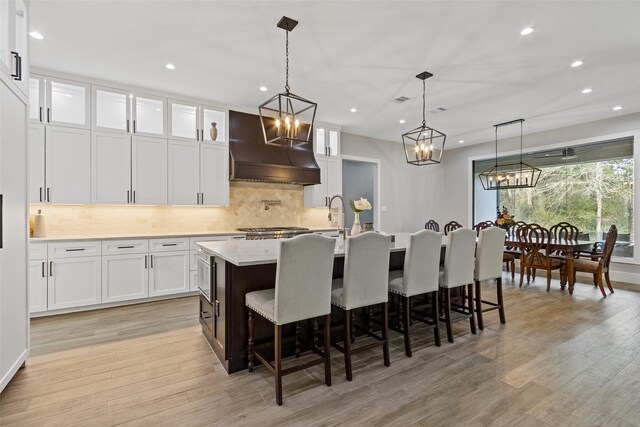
point(513, 269)
point(500, 300)
point(435, 313)
point(347, 344)
point(327, 346)
point(479, 306)
point(385, 333)
point(278, 362)
point(472, 319)
point(250, 342)
point(447, 313)
point(406, 315)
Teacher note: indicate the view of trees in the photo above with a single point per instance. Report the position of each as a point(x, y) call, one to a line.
point(591, 196)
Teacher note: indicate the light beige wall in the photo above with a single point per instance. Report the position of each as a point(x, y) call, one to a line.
point(245, 210)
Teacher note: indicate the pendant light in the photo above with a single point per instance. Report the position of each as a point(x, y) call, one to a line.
point(286, 118)
point(423, 145)
point(510, 175)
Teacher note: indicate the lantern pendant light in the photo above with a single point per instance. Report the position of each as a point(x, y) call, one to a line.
point(286, 118)
point(423, 145)
point(510, 175)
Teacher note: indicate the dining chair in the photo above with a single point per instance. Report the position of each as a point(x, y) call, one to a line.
point(365, 283)
point(534, 242)
point(432, 225)
point(508, 258)
point(563, 231)
point(419, 277)
point(459, 265)
point(450, 226)
point(599, 266)
point(489, 267)
point(303, 291)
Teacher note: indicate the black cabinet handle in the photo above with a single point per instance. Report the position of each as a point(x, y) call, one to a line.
point(128, 198)
point(201, 134)
point(134, 127)
point(43, 264)
point(48, 115)
point(18, 74)
point(169, 244)
point(151, 261)
point(48, 194)
point(127, 125)
point(134, 191)
point(197, 134)
point(40, 193)
point(75, 250)
point(40, 114)
point(50, 268)
point(145, 261)
point(125, 247)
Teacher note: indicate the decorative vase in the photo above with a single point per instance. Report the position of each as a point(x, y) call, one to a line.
point(214, 131)
point(355, 229)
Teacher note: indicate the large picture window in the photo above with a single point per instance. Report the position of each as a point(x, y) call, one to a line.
point(589, 186)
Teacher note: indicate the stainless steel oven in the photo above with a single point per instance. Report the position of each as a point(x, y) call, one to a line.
point(206, 276)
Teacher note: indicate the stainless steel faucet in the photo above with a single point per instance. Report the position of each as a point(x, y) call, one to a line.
point(342, 231)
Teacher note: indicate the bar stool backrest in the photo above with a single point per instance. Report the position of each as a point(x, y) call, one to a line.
point(432, 225)
point(450, 226)
point(303, 278)
point(482, 225)
point(422, 263)
point(459, 260)
point(489, 253)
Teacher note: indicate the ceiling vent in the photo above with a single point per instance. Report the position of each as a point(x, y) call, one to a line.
point(437, 110)
point(400, 99)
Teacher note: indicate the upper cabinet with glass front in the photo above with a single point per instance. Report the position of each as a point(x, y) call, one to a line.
point(327, 142)
point(58, 102)
point(197, 122)
point(125, 112)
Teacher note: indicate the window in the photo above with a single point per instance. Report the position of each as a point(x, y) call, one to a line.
point(589, 186)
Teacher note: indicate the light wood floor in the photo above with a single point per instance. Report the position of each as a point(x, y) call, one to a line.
point(559, 360)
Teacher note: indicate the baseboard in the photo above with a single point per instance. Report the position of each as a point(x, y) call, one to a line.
point(14, 368)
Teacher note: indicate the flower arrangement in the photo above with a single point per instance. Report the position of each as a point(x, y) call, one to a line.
point(504, 218)
point(360, 205)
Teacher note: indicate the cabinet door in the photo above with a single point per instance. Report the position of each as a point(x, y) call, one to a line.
point(315, 196)
point(74, 282)
point(214, 178)
point(67, 103)
point(36, 99)
point(183, 120)
point(68, 165)
point(333, 143)
point(36, 144)
point(320, 142)
point(210, 119)
point(184, 173)
point(110, 168)
point(149, 116)
point(168, 273)
point(6, 43)
point(149, 170)
point(21, 44)
point(333, 175)
point(38, 286)
point(125, 277)
point(111, 110)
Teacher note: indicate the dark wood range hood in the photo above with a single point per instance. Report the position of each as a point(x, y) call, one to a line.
point(250, 159)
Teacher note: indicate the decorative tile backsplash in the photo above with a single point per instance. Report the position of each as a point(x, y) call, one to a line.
point(246, 209)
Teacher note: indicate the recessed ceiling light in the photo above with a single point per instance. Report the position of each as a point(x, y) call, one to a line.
point(527, 31)
point(36, 35)
point(617, 108)
point(263, 88)
point(575, 64)
point(402, 121)
point(587, 90)
point(461, 141)
point(170, 67)
point(353, 110)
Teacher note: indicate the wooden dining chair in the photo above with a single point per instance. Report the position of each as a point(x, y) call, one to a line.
point(507, 258)
point(599, 266)
point(563, 231)
point(534, 242)
point(450, 226)
point(432, 225)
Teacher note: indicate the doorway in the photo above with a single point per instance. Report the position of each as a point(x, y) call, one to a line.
point(360, 179)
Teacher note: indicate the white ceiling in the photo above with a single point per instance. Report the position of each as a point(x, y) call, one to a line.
point(364, 54)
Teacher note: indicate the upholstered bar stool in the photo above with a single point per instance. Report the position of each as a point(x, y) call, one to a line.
point(364, 284)
point(459, 264)
point(419, 277)
point(303, 291)
point(489, 266)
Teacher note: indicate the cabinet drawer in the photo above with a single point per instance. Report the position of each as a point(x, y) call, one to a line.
point(122, 247)
point(214, 239)
point(74, 249)
point(37, 251)
point(165, 245)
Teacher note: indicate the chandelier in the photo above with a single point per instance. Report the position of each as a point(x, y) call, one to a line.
point(510, 175)
point(286, 118)
point(423, 145)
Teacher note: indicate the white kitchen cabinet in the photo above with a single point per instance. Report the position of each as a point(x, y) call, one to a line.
point(214, 177)
point(327, 151)
point(68, 165)
point(67, 103)
point(149, 116)
point(74, 282)
point(168, 273)
point(36, 98)
point(38, 285)
point(192, 122)
point(110, 168)
point(14, 43)
point(21, 44)
point(36, 142)
point(149, 170)
point(207, 117)
point(110, 110)
point(125, 277)
point(184, 173)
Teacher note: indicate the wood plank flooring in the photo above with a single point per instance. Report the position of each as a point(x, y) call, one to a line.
point(560, 360)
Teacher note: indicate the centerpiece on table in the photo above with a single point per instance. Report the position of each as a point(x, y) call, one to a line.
point(358, 206)
point(504, 219)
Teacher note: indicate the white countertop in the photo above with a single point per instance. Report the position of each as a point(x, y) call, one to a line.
point(256, 252)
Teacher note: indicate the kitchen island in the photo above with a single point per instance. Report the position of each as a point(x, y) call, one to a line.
point(238, 267)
